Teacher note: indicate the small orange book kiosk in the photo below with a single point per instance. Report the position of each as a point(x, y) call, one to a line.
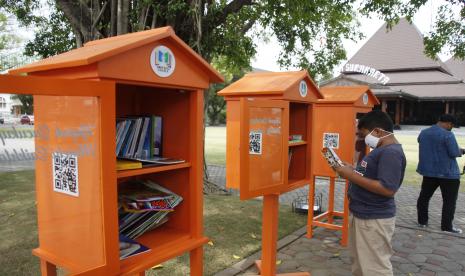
point(83, 91)
point(335, 126)
point(269, 142)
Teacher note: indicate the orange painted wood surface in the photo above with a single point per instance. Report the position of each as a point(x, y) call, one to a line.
point(122, 84)
point(281, 168)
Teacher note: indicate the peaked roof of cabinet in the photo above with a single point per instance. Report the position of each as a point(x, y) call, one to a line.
point(273, 84)
point(348, 94)
point(88, 59)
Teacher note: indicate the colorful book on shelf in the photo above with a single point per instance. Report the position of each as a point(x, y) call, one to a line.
point(157, 134)
point(139, 136)
point(137, 133)
point(158, 160)
point(289, 159)
point(129, 247)
point(128, 165)
point(292, 142)
point(144, 133)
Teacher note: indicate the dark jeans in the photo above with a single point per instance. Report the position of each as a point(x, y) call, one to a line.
point(449, 192)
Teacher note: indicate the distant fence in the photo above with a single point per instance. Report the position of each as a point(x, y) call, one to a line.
point(13, 60)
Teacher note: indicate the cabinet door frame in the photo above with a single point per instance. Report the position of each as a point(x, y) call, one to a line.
point(105, 92)
point(246, 192)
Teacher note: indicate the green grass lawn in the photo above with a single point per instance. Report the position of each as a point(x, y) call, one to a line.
point(215, 141)
point(234, 227)
point(215, 145)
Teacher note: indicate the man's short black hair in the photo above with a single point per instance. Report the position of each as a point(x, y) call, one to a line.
point(376, 119)
point(448, 118)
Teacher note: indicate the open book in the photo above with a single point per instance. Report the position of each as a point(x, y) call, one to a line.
point(331, 157)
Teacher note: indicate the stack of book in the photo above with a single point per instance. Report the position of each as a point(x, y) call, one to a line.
point(128, 247)
point(144, 205)
point(139, 137)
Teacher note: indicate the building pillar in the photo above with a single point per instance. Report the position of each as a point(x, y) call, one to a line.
point(402, 111)
point(447, 107)
point(397, 112)
point(383, 105)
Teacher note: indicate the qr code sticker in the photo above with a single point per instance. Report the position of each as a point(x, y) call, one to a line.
point(255, 142)
point(65, 173)
point(331, 140)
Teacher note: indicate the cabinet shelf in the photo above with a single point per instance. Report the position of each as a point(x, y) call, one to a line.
point(165, 243)
point(297, 143)
point(149, 170)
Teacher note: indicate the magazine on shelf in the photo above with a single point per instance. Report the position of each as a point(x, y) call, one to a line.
point(129, 247)
point(332, 158)
point(144, 205)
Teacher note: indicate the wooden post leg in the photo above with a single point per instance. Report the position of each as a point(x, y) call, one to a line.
point(267, 266)
point(196, 262)
point(269, 234)
point(47, 269)
point(345, 221)
point(331, 200)
point(311, 203)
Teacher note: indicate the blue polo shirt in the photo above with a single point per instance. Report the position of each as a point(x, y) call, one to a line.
point(438, 153)
point(387, 165)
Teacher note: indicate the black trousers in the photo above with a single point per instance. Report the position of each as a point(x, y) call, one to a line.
point(449, 192)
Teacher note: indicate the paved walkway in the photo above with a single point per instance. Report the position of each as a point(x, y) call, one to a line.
point(417, 251)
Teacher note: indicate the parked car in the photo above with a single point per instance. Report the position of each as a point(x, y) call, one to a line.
point(2, 121)
point(27, 119)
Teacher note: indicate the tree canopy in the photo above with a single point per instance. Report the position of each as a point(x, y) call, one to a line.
point(310, 32)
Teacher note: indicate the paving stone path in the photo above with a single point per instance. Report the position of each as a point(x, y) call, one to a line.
point(417, 251)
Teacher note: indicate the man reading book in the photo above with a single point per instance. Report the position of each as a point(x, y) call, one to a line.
point(372, 186)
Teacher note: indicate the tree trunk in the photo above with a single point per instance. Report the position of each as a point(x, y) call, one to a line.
point(79, 18)
point(123, 16)
point(143, 12)
point(113, 17)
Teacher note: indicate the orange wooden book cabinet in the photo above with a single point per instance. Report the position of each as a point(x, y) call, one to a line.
point(84, 91)
point(335, 126)
point(263, 111)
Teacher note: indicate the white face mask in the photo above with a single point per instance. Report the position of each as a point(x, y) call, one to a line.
point(372, 141)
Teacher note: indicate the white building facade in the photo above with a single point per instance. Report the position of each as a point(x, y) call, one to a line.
point(8, 106)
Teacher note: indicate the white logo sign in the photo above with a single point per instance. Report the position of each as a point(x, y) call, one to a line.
point(303, 89)
point(365, 99)
point(366, 70)
point(162, 61)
